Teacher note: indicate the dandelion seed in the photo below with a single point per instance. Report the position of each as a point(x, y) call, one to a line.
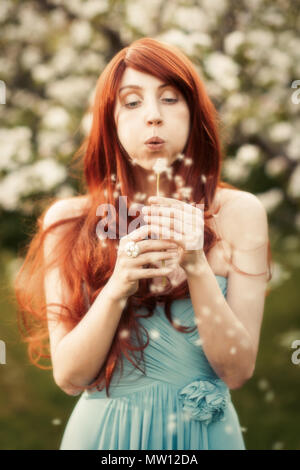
point(277, 445)
point(139, 196)
point(171, 427)
point(198, 342)
point(185, 192)
point(124, 333)
point(230, 332)
point(263, 384)
point(118, 185)
point(175, 195)
point(154, 334)
point(56, 421)
point(151, 177)
point(186, 416)
point(113, 177)
point(178, 180)
point(105, 193)
point(116, 194)
point(206, 310)
point(245, 344)
point(177, 321)
point(172, 417)
point(153, 287)
point(269, 396)
point(219, 300)
point(232, 350)
point(160, 166)
point(243, 429)
point(188, 161)
point(217, 319)
point(228, 429)
point(203, 179)
point(122, 303)
point(180, 156)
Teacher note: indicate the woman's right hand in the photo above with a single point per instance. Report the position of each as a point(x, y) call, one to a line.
point(124, 280)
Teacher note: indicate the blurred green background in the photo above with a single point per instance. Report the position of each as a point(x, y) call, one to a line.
point(247, 53)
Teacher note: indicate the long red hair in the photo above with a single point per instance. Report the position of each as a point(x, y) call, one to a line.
point(81, 256)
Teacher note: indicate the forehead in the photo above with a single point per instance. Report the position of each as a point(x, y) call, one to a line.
point(135, 77)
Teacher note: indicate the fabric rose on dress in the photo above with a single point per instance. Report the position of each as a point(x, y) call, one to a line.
point(205, 400)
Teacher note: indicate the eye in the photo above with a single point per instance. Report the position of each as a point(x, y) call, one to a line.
point(169, 100)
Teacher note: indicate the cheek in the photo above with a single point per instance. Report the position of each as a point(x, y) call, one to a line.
point(182, 121)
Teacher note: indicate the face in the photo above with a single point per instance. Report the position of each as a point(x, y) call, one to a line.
point(151, 110)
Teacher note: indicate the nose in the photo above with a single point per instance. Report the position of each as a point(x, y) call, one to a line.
point(153, 116)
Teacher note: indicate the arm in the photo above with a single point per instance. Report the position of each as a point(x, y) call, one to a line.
point(77, 352)
point(230, 327)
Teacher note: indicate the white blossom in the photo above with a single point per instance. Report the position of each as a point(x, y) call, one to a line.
point(223, 69)
point(235, 170)
point(56, 117)
point(71, 91)
point(191, 19)
point(233, 41)
point(81, 33)
point(293, 148)
point(15, 147)
point(64, 60)
point(31, 56)
point(42, 73)
point(248, 154)
point(276, 166)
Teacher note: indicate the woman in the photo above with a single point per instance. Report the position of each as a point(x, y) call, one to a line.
point(197, 333)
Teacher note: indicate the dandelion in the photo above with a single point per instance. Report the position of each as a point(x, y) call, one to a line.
point(160, 166)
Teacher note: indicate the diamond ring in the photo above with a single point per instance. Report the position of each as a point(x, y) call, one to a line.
point(132, 249)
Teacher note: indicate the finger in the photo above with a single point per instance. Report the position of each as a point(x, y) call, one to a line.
point(136, 235)
point(171, 212)
point(167, 222)
point(151, 272)
point(167, 234)
point(151, 257)
point(155, 245)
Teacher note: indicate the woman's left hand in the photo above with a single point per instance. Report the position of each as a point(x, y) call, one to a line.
point(182, 223)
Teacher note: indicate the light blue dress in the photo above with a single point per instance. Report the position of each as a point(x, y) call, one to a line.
point(180, 404)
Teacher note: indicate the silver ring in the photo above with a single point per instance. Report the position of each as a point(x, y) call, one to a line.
point(132, 249)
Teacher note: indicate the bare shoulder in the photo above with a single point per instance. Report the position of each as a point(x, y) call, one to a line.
point(64, 209)
point(243, 218)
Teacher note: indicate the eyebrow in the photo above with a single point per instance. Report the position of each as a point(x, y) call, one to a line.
point(141, 88)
